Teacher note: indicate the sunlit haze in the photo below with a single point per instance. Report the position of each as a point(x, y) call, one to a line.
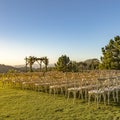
point(77, 28)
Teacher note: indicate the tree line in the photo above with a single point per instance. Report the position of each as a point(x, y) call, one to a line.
point(66, 65)
point(110, 59)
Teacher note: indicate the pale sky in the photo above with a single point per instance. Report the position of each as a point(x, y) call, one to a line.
point(76, 28)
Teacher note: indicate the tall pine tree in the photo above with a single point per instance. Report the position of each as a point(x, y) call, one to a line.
point(111, 55)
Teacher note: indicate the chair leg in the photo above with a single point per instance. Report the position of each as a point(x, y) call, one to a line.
point(74, 94)
point(117, 95)
point(104, 97)
point(89, 98)
point(68, 95)
point(108, 97)
point(114, 96)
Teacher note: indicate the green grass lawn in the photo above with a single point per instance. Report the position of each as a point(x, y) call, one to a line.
point(16, 104)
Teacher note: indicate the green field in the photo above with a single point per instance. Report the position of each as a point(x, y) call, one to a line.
point(17, 104)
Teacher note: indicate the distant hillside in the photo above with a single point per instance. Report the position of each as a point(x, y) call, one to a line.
point(22, 68)
point(34, 66)
point(6, 68)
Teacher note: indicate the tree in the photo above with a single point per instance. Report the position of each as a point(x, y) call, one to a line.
point(92, 64)
point(63, 64)
point(111, 55)
point(73, 66)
